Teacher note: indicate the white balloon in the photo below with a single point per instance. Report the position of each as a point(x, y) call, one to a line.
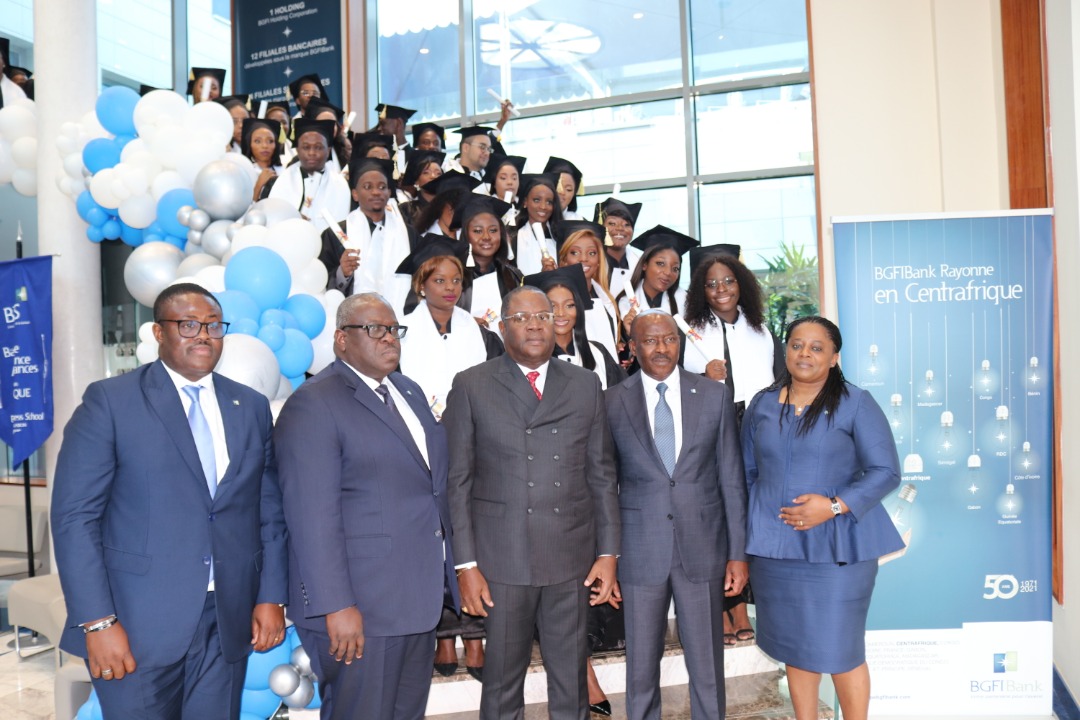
point(146, 332)
point(77, 186)
point(276, 405)
point(164, 182)
point(193, 264)
point(284, 389)
point(250, 236)
point(7, 162)
point(138, 211)
point(17, 122)
point(146, 352)
point(254, 216)
point(276, 209)
point(156, 104)
point(248, 360)
point(91, 128)
point(214, 239)
point(66, 145)
point(119, 188)
point(101, 188)
point(311, 279)
point(144, 160)
point(73, 165)
point(24, 152)
point(150, 268)
point(64, 183)
point(133, 147)
point(211, 121)
point(135, 179)
point(212, 278)
point(168, 146)
point(296, 241)
point(198, 152)
point(25, 182)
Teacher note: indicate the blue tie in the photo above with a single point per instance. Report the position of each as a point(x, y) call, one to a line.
point(664, 430)
point(204, 440)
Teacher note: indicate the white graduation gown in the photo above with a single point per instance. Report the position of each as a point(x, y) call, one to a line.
point(433, 359)
point(312, 194)
point(751, 355)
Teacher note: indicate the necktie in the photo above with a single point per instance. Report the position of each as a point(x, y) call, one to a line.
point(384, 392)
point(729, 380)
point(204, 440)
point(664, 430)
point(532, 376)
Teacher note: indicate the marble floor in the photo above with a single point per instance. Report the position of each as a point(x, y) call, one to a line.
point(26, 686)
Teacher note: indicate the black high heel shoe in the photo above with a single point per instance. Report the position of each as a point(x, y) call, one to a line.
point(446, 669)
point(601, 708)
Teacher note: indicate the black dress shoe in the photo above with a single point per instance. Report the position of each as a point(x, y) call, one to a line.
point(601, 708)
point(476, 672)
point(446, 669)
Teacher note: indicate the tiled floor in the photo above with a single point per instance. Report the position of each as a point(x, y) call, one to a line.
point(26, 686)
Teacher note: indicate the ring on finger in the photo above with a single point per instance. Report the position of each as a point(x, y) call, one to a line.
point(106, 672)
point(800, 523)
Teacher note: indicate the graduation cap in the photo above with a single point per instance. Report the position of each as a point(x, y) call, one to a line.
point(317, 106)
point(5, 49)
point(358, 165)
point(362, 142)
point(421, 128)
point(568, 276)
point(531, 180)
point(498, 161)
point(231, 101)
point(616, 208)
point(567, 228)
point(452, 180)
point(664, 237)
point(12, 70)
point(323, 127)
point(250, 125)
point(295, 85)
point(198, 73)
point(418, 160)
point(146, 89)
point(559, 165)
point(393, 112)
point(473, 131)
point(475, 205)
point(280, 105)
point(433, 246)
point(700, 254)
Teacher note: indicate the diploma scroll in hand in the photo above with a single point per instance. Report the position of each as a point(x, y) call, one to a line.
point(513, 110)
point(336, 229)
point(538, 235)
point(630, 292)
point(692, 335)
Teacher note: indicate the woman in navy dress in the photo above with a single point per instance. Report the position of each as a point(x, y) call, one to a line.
point(819, 458)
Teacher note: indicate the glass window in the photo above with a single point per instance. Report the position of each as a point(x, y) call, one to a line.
point(210, 39)
point(660, 206)
point(538, 52)
point(135, 42)
point(754, 129)
point(17, 24)
point(735, 39)
point(419, 64)
point(609, 145)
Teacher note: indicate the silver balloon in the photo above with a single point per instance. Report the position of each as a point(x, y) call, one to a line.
point(183, 214)
point(194, 236)
point(215, 239)
point(303, 695)
point(255, 216)
point(300, 660)
point(284, 680)
point(233, 229)
point(199, 220)
point(277, 209)
point(149, 270)
point(223, 189)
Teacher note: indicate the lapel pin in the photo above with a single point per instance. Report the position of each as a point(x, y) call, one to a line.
point(235, 402)
point(693, 391)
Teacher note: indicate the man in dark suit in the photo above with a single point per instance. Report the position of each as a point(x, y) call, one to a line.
point(168, 527)
point(363, 468)
point(534, 505)
point(682, 496)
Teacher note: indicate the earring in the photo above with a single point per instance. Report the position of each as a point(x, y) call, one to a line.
point(422, 293)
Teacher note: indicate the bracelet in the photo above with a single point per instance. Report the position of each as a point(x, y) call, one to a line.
point(100, 625)
point(462, 570)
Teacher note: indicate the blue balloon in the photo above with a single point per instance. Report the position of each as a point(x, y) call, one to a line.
point(121, 140)
point(150, 237)
point(236, 306)
point(131, 236)
point(259, 666)
point(259, 703)
point(97, 216)
point(273, 336)
point(309, 313)
point(292, 638)
point(168, 205)
point(316, 701)
point(273, 316)
point(251, 716)
point(244, 326)
point(84, 204)
point(179, 242)
point(111, 229)
point(297, 381)
point(94, 234)
point(115, 109)
point(296, 354)
point(100, 153)
point(262, 274)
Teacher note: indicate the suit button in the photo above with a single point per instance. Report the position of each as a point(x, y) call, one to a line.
point(530, 457)
point(558, 484)
point(554, 431)
point(530, 483)
point(556, 457)
point(672, 483)
point(528, 431)
point(438, 533)
point(670, 517)
point(210, 517)
point(436, 493)
point(206, 560)
point(556, 511)
point(529, 511)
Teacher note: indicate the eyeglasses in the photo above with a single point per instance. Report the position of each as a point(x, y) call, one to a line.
point(378, 332)
point(727, 282)
point(522, 318)
point(481, 148)
point(310, 93)
point(193, 328)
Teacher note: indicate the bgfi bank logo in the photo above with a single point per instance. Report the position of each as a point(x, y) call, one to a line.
point(1006, 662)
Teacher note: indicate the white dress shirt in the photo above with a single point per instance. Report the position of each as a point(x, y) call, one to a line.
point(673, 396)
point(411, 421)
point(543, 370)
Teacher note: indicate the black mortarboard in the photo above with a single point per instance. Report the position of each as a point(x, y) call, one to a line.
point(698, 254)
point(362, 142)
point(197, 73)
point(497, 161)
point(316, 106)
point(559, 165)
point(473, 131)
point(282, 104)
point(323, 127)
point(617, 208)
point(295, 85)
point(418, 159)
point(393, 112)
point(568, 227)
point(12, 70)
point(358, 165)
point(147, 89)
point(231, 101)
point(475, 205)
point(28, 88)
point(452, 180)
point(5, 49)
point(433, 246)
point(529, 180)
point(421, 128)
point(250, 125)
point(666, 237)
point(570, 276)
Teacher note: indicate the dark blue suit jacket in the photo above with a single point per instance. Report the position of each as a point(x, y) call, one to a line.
point(367, 518)
point(134, 525)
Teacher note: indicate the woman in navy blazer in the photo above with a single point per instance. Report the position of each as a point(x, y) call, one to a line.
point(819, 458)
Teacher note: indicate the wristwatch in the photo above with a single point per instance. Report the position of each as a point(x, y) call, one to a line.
point(836, 509)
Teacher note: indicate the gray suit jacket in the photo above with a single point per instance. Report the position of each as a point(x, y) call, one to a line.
point(533, 498)
point(705, 498)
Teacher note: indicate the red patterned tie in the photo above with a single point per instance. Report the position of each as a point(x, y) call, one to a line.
point(532, 383)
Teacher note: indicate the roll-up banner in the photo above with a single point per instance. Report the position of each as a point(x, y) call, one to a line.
point(947, 320)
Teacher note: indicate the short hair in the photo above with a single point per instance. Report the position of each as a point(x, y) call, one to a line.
point(345, 309)
point(508, 298)
point(651, 312)
point(427, 269)
point(173, 291)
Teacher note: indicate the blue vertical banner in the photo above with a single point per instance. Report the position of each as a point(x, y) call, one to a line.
point(26, 402)
point(278, 42)
point(948, 321)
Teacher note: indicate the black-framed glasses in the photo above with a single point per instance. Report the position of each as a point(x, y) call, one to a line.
point(377, 332)
point(192, 328)
point(522, 318)
point(727, 282)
